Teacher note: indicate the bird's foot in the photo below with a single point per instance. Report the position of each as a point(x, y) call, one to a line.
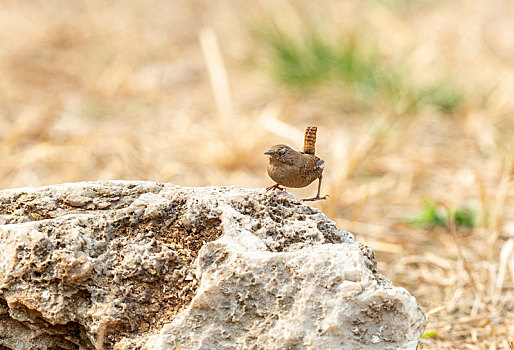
point(277, 187)
point(317, 198)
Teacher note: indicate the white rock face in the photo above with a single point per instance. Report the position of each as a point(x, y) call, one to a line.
point(131, 265)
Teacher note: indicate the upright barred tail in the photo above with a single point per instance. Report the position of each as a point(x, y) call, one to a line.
point(309, 145)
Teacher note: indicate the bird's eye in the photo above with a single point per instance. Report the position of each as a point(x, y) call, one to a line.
point(281, 151)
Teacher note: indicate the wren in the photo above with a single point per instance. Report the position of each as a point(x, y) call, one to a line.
point(291, 168)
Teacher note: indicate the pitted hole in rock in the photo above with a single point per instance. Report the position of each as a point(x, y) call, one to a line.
point(185, 241)
point(329, 231)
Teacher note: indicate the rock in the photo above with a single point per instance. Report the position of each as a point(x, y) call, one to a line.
point(131, 265)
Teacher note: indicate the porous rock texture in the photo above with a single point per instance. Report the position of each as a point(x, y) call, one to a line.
point(144, 265)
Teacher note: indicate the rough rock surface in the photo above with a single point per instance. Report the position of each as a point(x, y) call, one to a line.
point(130, 265)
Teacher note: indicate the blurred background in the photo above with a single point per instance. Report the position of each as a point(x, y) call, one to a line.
point(413, 100)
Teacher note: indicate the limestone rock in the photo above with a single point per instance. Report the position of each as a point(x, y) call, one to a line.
point(131, 265)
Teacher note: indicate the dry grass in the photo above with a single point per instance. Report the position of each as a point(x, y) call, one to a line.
point(169, 91)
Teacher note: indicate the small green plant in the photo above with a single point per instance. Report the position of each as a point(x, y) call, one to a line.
point(437, 216)
point(431, 216)
point(465, 217)
point(429, 335)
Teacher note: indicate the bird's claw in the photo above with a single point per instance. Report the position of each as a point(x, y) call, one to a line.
point(275, 186)
point(317, 198)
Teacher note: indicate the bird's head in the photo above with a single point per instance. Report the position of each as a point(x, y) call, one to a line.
point(282, 153)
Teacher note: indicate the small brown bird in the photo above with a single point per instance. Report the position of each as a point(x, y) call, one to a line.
point(291, 168)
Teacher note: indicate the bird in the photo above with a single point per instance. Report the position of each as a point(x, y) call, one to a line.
point(296, 169)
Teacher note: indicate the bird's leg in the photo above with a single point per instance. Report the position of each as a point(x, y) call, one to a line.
point(317, 198)
point(275, 186)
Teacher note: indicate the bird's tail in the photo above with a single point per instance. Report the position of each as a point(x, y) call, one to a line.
point(309, 145)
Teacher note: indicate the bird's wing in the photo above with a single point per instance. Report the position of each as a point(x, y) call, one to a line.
point(320, 162)
point(311, 163)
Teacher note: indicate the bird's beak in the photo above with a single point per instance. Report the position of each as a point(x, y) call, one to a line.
point(269, 152)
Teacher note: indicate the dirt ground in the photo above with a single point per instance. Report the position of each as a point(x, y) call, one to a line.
point(416, 129)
